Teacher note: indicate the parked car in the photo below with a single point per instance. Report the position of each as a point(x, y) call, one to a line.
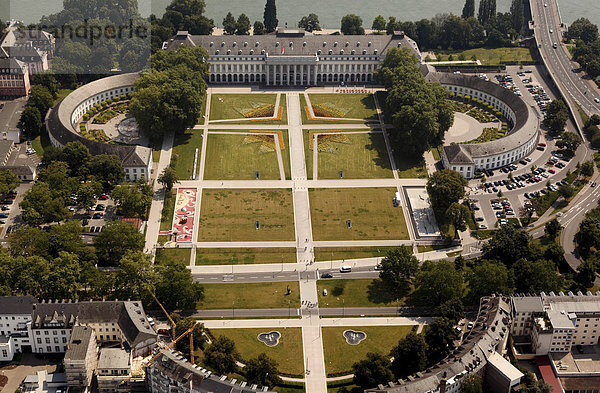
point(3, 215)
point(97, 215)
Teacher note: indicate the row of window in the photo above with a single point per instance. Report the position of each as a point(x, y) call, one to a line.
point(47, 340)
point(321, 58)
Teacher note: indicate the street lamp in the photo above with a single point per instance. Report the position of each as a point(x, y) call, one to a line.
point(343, 309)
point(233, 309)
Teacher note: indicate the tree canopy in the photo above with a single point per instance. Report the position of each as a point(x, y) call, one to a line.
point(221, 355)
point(310, 23)
point(372, 371)
point(352, 25)
point(262, 371)
point(438, 282)
point(557, 115)
point(445, 187)
point(410, 355)
point(270, 16)
point(397, 268)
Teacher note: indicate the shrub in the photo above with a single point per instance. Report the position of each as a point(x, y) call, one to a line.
point(85, 117)
point(338, 289)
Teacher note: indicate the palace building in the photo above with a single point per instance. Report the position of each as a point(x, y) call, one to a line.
point(293, 57)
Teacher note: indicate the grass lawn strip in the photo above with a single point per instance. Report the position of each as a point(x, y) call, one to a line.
point(358, 155)
point(306, 120)
point(230, 215)
point(494, 56)
point(166, 217)
point(410, 168)
point(337, 253)
point(250, 295)
point(238, 157)
point(371, 210)
point(173, 255)
point(184, 149)
point(288, 353)
point(363, 292)
point(238, 256)
point(340, 356)
point(234, 106)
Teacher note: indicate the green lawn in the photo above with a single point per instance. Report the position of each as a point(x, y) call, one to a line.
point(355, 106)
point(363, 292)
point(237, 256)
point(62, 93)
point(184, 149)
point(494, 56)
point(340, 356)
point(40, 143)
point(250, 295)
point(373, 215)
point(166, 217)
point(359, 156)
point(173, 255)
point(337, 253)
point(288, 353)
point(238, 157)
point(234, 106)
point(230, 215)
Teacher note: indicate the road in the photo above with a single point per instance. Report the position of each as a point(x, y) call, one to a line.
point(576, 85)
point(279, 276)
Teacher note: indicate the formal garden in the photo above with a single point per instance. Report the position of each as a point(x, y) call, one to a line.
point(248, 108)
point(344, 108)
point(101, 114)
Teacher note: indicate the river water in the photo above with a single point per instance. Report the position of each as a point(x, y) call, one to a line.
point(330, 12)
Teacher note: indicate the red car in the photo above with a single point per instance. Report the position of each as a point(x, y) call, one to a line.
point(542, 144)
point(552, 171)
point(103, 197)
point(551, 163)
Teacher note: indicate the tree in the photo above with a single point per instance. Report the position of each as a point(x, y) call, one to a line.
point(413, 104)
point(259, 28)
point(445, 187)
point(77, 156)
point(229, 24)
point(182, 325)
point(310, 23)
point(107, 168)
point(537, 276)
point(188, 15)
point(176, 289)
point(31, 121)
point(352, 25)
point(587, 168)
point(458, 214)
point(468, 10)
point(487, 278)
point(40, 98)
point(487, 10)
point(133, 199)
point(8, 181)
point(438, 282)
point(586, 272)
point(439, 337)
point(588, 236)
point(452, 309)
point(136, 276)
point(29, 241)
point(569, 142)
point(472, 384)
point(221, 355)
point(397, 268)
point(242, 26)
point(583, 29)
point(517, 13)
point(63, 277)
point(410, 355)
point(117, 239)
point(168, 178)
point(270, 16)
point(378, 23)
point(557, 115)
point(262, 371)
point(566, 191)
point(86, 193)
point(507, 245)
point(526, 212)
point(552, 228)
point(41, 205)
point(47, 80)
point(372, 371)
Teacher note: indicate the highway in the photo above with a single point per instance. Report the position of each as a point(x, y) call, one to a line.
point(547, 28)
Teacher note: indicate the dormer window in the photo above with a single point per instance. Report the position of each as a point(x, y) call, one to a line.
point(256, 43)
point(234, 44)
point(211, 44)
point(335, 44)
point(277, 44)
point(223, 43)
point(347, 43)
point(245, 44)
point(357, 44)
point(369, 44)
point(324, 43)
point(291, 44)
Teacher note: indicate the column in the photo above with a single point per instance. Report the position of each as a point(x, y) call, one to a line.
point(267, 69)
point(301, 74)
point(308, 72)
point(287, 73)
point(295, 73)
point(315, 69)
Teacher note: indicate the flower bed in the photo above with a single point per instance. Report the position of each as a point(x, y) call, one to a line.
point(311, 117)
point(261, 111)
point(279, 113)
point(481, 116)
point(325, 110)
point(488, 134)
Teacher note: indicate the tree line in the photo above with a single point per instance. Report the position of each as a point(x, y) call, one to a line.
point(587, 49)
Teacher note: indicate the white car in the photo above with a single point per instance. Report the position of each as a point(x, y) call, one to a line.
point(545, 4)
point(597, 100)
point(482, 226)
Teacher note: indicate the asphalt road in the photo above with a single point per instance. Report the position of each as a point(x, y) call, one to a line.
point(357, 272)
point(558, 59)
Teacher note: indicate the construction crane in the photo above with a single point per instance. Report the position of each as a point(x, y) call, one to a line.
point(173, 324)
point(168, 347)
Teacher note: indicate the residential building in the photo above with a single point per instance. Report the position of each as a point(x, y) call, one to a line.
point(479, 347)
point(35, 60)
point(81, 357)
point(560, 323)
point(41, 40)
point(171, 372)
point(10, 117)
point(291, 57)
point(14, 78)
point(15, 318)
point(114, 369)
